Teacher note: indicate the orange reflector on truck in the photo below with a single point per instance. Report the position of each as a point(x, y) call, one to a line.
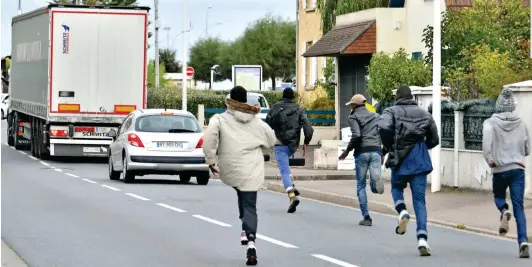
point(125, 109)
point(68, 108)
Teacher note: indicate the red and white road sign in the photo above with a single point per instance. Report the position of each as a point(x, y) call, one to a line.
point(190, 71)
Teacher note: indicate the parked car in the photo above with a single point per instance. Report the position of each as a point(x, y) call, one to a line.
point(158, 141)
point(256, 99)
point(4, 105)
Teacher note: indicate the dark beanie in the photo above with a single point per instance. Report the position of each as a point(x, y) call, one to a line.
point(403, 92)
point(288, 93)
point(238, 93)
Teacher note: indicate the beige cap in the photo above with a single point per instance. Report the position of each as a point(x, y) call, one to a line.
point(357, 99)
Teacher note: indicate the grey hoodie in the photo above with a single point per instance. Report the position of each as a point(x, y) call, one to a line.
point(505, 142)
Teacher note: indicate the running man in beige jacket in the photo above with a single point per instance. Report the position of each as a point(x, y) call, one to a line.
point(233, 148)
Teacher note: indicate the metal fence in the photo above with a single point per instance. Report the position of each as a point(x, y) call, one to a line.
point(473, 130)
point(316, 117)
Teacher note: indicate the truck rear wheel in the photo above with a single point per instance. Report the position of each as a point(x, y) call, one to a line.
point(10, 139)
point(42, 151)
point(16, 137)
point(33, 141)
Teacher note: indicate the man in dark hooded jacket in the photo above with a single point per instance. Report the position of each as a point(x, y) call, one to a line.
point(287, 119)
point(408, 132)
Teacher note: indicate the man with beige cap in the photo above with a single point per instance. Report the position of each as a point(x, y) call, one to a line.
point(366, 142)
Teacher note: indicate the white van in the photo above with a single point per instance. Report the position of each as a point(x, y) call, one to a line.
point(256, 99)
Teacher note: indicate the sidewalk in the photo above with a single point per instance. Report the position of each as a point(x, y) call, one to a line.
point(473, 211)
point(10, 258)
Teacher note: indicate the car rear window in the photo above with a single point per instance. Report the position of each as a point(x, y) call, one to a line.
point(256, 100)
point(167, 124)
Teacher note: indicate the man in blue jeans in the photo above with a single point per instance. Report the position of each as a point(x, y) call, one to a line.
point(287, 119)
point(505, 144)
point(408, 132)
point(366, 142)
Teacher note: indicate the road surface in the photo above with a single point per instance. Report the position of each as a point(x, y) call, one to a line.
point(70, 214)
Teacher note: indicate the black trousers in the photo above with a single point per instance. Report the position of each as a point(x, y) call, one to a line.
point(247, 210)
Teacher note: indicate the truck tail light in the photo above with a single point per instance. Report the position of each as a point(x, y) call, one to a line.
point(134, 140)
point(200, 143)
point(59, 133)
point(20, 130)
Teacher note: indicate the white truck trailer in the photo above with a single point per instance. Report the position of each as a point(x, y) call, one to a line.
point(76, 73)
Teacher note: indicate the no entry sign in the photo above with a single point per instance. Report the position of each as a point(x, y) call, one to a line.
point(190, 71)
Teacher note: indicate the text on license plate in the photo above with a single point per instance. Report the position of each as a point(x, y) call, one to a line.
point(169, 144)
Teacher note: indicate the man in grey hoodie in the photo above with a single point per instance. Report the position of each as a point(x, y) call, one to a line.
point(505, 144)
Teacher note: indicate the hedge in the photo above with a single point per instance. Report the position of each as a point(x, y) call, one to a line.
point(167, 97)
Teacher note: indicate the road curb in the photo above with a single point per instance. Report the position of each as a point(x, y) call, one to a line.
point(375, 206)
point(316, 177)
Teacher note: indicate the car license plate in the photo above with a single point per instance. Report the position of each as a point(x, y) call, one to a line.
point(170, 144)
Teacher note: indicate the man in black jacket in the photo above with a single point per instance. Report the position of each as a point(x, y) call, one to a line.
point(408, 132)
point(366, 142)
point(286, 118)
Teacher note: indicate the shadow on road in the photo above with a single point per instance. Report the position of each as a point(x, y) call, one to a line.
point(139, 180)
point(78, 160)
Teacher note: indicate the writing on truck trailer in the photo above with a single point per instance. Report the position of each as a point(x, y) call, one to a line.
point(76, 73)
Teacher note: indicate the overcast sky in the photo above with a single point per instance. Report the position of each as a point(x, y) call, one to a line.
point(234, 15)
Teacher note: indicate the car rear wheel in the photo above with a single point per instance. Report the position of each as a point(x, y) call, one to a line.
point(185, 178)
point(113, 175)
point(129, 176)
point(203, 178)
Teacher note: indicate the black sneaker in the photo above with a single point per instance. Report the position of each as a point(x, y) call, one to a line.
point(251, 255)
point(294, 201)
point(296, 192)
point(366, 221)
point(524, 251)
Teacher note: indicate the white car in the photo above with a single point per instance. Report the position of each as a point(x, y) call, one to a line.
point(158, 141)
point(256, 99)
point(4, 105)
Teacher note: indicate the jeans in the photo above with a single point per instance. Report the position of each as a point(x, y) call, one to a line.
point(247, 210)
point(515, 179)
point(363, 162)
point(282, 155)
point(418, 185)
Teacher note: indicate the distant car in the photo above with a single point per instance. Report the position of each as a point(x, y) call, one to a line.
point(4, 105)
point(158, 141)
point(256, 99)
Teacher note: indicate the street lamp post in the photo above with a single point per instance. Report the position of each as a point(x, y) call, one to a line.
point(436, 95)
point(156, 44)
point(184, 71)
point(207, 22)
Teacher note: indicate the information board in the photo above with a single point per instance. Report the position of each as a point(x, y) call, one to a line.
point(248, 76)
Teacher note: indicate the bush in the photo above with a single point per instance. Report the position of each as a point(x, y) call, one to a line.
point(322, 103)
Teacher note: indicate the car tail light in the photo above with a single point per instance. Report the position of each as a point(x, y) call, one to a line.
point(200, 143)
point(134, 140)
point(59, 133)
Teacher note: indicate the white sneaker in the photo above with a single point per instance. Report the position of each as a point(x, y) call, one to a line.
point(402, 225)
point(423, 247)
point(505, 219)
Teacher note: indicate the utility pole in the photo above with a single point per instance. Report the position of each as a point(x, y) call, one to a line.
point(167, 29)
point(156, 44)
point(184, 71)
point(436, 95)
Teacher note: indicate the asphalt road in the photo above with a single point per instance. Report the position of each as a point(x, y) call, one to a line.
point(58, 213)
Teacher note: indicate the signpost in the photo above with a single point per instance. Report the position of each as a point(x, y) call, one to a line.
point(190, 72)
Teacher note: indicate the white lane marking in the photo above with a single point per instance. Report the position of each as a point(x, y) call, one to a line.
point(58, 170)
point(211, 220)
point(335, 261)
point(112, 188)
point(71, 175)
point(395, 216)
point(33, 158)
point(22, 152)
point(170, 207)
point(44, 163)
point(90, 181)
point(275, 241)
point(137, 196)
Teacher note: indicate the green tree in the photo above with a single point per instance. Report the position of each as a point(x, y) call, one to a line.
point(203, 55)
point(271, 43)
point(329, 9)
point(151, 74)
point(168, 58)
point(388, 72)
point(328, 73)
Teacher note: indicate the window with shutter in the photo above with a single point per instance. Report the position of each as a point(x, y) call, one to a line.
point(312, 3)
point(323, 66)
point(304, 4)
point(303, 81)
point(314, 70)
